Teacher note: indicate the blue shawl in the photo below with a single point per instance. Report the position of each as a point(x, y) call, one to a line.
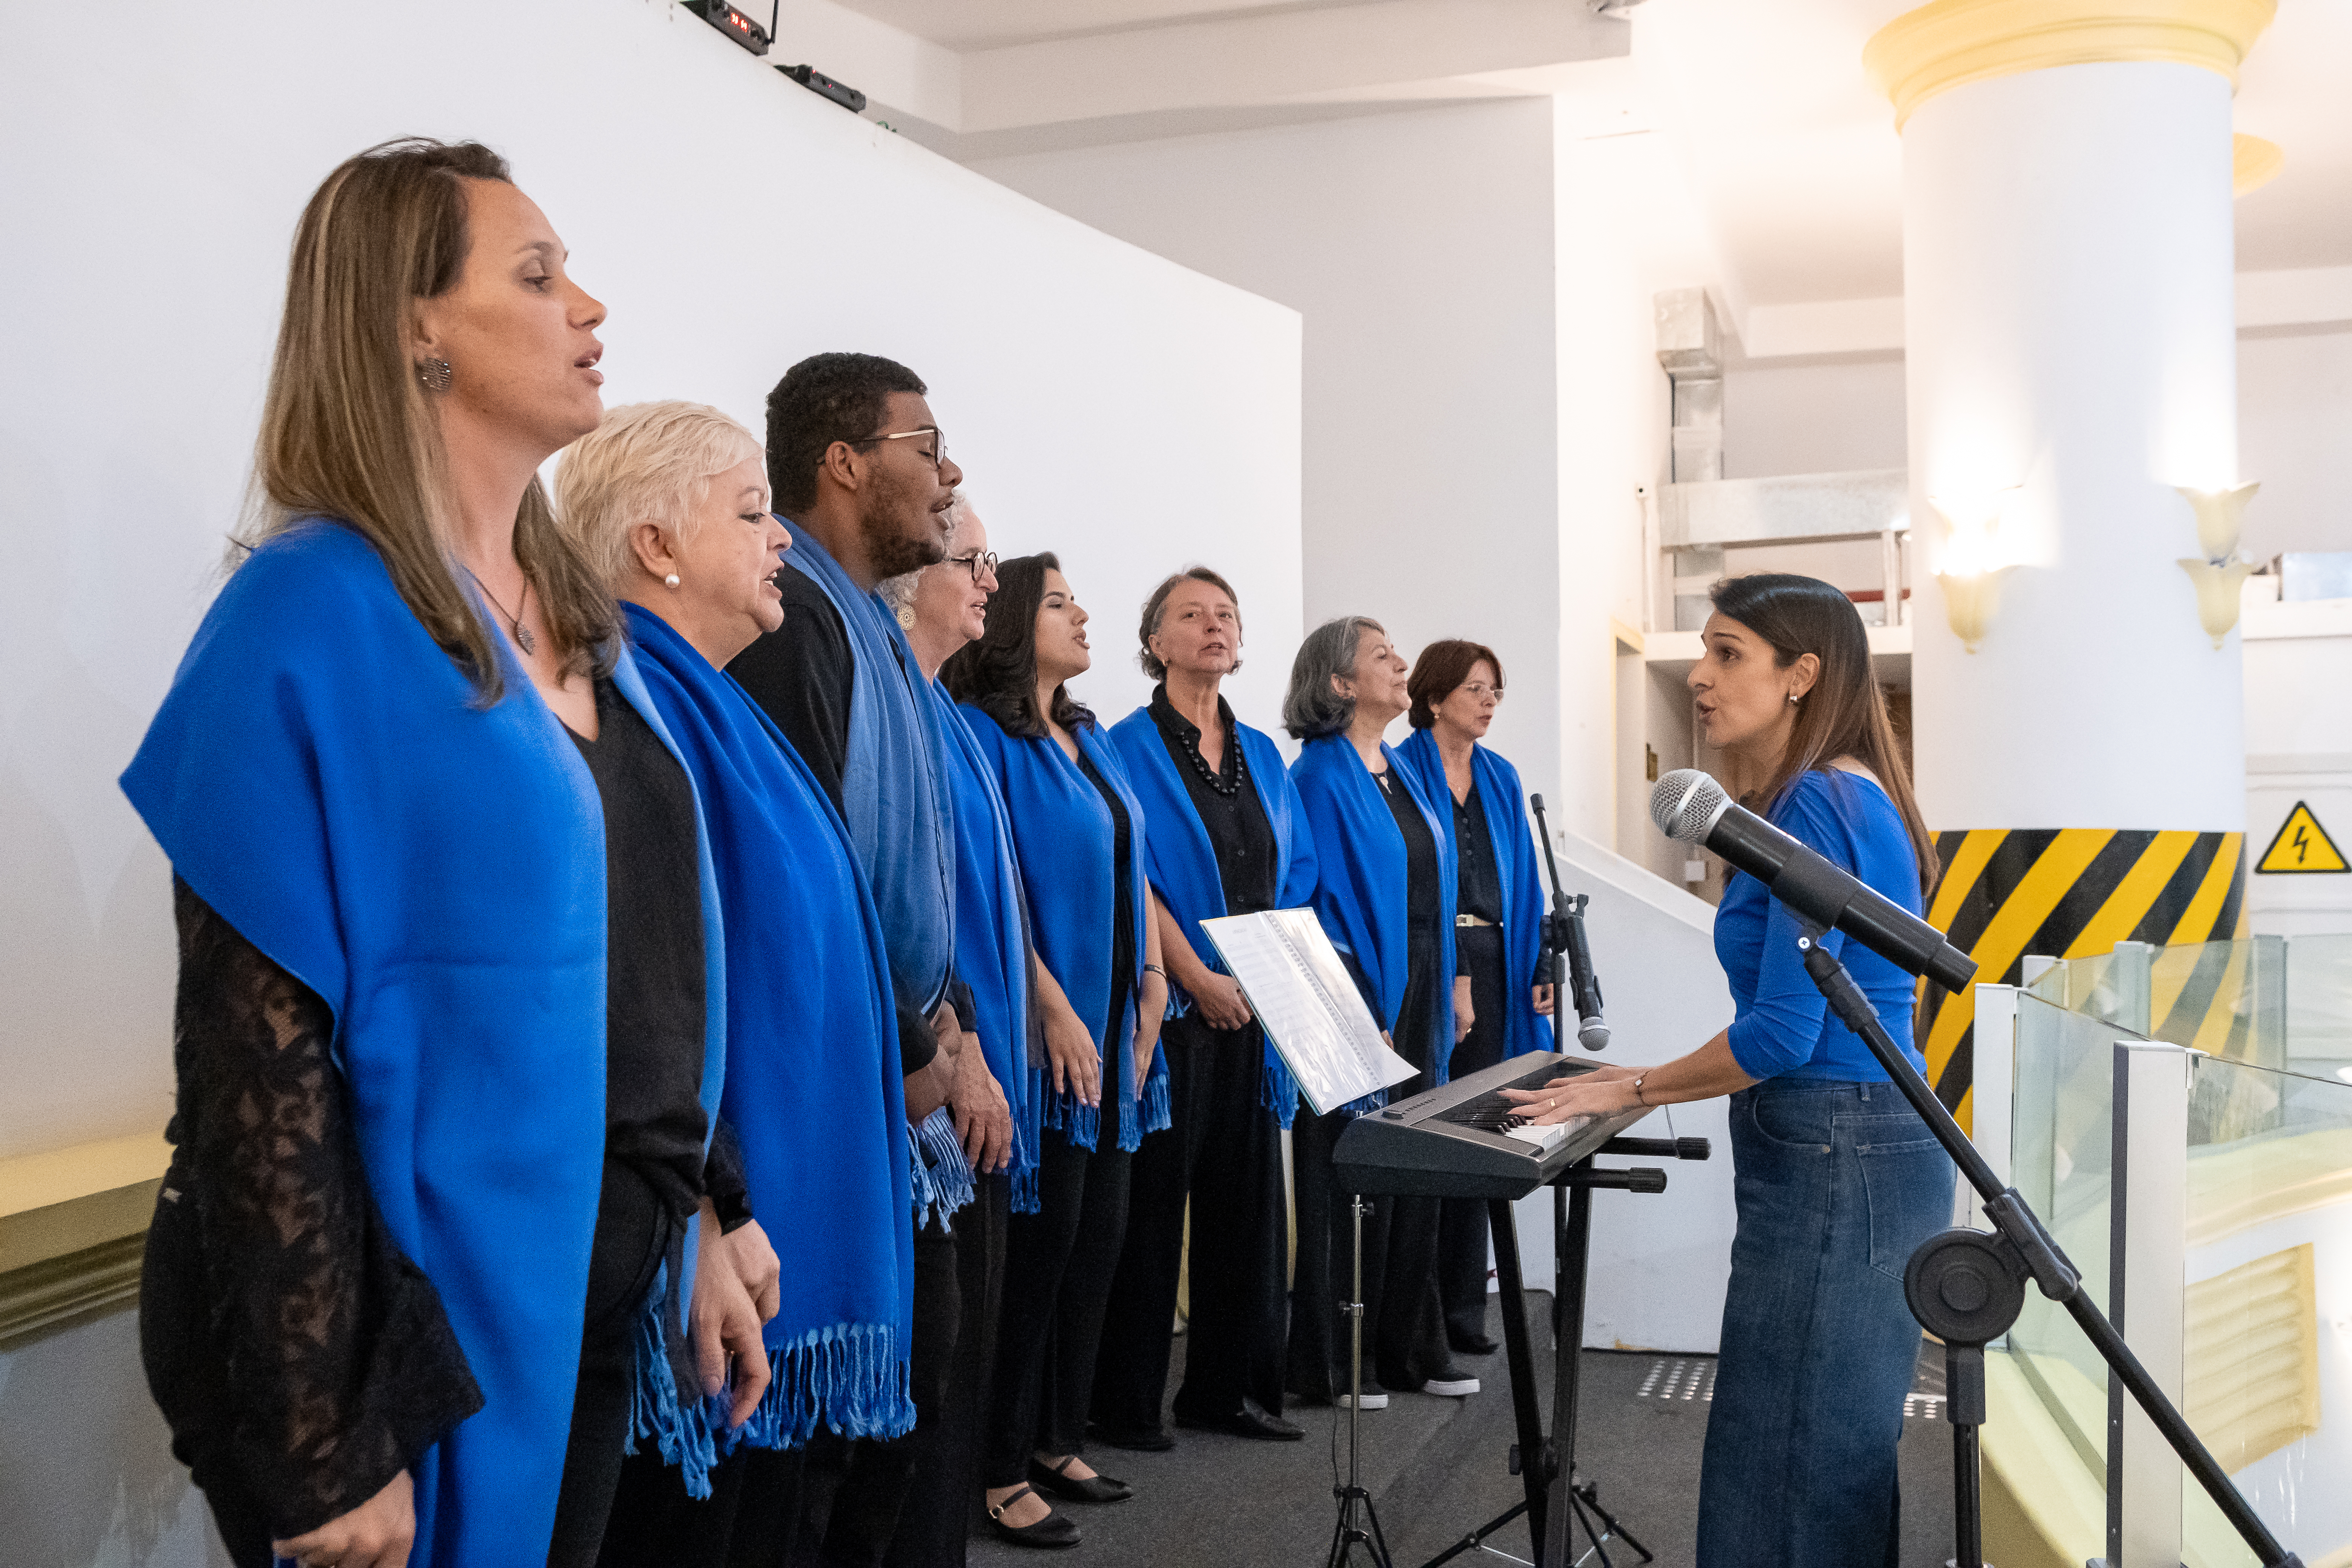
point(1361, 881)
point(993, 936)
point(1063, 836)
point(321, 775)
point(893, 796)
point(1184, 864)
point(1503, 800)
point(813, 1088)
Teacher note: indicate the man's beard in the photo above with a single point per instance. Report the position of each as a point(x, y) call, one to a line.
point(889, 552)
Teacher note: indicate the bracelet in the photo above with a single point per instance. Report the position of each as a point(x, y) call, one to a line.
point(1155, 969)
point(1637, 1090)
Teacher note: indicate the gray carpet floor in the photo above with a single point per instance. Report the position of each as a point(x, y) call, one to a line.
point(1436, 1469)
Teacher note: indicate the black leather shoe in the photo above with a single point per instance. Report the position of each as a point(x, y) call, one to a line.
point(1089, 1489)
point(1252, 1420)
point(1051, 1532)
point(1158, 1440)
point(1471, 1344)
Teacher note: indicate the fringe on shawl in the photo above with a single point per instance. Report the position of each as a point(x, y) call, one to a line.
point(943, 1176)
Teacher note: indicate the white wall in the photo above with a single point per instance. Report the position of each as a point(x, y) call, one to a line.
point(1104, 402)
point(1418, 246)
point(1812, 418)
point(2294, 435)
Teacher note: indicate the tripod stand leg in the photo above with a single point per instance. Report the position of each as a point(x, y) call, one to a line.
point(1592, 1497)
point(1963, 1407)
point(1575, 1239)
point(1533, 1479)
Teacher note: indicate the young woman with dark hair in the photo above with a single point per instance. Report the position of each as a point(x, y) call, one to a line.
point(1078, 834)
point(447, 911)
point(1838, 1179)
point(1456, 688)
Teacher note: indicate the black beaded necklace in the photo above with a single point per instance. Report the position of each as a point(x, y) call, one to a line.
point(1234, 761)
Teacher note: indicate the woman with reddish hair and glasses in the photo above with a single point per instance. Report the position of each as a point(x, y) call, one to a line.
point(1498, 910)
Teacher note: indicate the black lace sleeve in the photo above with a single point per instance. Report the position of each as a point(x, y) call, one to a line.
point(300, 1358)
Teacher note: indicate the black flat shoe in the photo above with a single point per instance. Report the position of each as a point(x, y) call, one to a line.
point(1158, 1440)
point(1252, 1420)
point(1051, 1533)
point(1091, 1488)
point(1471, 1344)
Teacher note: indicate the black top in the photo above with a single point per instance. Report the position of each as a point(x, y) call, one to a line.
point(1479, 876)
point(653, 953)
point(1123, 904)
point(1422, 915)
point(802, 675)
point(1226, 801)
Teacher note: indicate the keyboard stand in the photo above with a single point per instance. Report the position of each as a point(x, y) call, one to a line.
point(1547, 1468)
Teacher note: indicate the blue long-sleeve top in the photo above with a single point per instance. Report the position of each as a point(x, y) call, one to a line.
point(1783, 1028)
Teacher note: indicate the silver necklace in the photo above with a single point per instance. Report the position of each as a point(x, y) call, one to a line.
point(522, 636)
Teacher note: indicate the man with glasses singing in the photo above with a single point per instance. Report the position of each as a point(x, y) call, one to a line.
point(860, 473)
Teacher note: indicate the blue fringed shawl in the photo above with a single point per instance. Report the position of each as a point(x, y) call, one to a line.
point(1362, 881)
point(1503, 800)
point(321, 776)
point(1184, 864)
point(893, 794)
point(993, 936)
point(1063, 836)
point(813, 1088)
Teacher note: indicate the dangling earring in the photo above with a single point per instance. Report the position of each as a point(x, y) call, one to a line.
point(907, 619)
point(435, 374)
point(672, 581)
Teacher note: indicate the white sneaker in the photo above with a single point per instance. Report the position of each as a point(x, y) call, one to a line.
point(1450, 1387)
point(1375, 1397)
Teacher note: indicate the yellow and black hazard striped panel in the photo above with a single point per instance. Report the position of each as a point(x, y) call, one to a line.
point(2065, 892)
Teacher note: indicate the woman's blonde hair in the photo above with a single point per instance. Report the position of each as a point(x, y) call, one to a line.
point(347, 429)
point(647, 462)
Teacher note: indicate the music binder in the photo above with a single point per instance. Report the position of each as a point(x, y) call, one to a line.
point(1295, 983)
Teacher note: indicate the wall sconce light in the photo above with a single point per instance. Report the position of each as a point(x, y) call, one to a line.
point(2220, 571)
point(1969, 578)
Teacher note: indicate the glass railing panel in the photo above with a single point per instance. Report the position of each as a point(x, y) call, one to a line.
point(2268, 1379)
point(2227, 999)
point(2062, 1156)
point(2319, 1005)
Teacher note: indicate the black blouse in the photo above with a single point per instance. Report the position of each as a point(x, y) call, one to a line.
point(300, 1358)
point(1122, 906)
point(1422, 915)
point(1479, 876)
point(1226, 801)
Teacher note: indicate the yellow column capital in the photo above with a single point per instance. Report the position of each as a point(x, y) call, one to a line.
point(1949, 43)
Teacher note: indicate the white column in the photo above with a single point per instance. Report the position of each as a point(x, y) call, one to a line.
point(2071, 346)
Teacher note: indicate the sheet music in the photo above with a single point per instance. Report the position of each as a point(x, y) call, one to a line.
point(1312, 1013)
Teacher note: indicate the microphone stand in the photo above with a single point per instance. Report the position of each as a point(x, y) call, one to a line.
point(1563, 938)
point(1967, 1286)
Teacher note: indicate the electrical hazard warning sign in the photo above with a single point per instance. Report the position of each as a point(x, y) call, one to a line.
point(2301, 845)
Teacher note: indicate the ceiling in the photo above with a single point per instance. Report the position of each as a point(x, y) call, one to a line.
point(1793, 158)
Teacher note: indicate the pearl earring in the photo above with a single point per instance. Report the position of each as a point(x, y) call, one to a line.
point(433, 373)
point(1793, 695)
point(672, 581)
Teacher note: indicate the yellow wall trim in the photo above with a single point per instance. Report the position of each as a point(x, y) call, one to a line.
point(1950, 43)
point(2253, 162)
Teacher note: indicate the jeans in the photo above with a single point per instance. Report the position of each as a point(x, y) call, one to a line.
point(1835, 1183)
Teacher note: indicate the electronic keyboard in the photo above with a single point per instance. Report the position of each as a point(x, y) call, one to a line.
point(1465, 1141)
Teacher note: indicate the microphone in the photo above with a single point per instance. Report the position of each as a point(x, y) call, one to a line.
point(1690, 807)
point(1565, 935)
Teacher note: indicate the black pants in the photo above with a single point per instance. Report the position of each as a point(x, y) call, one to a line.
point(1462, 1230)
point(1405, 1340)
point(945, 1496)
point(836, 1503)
point(1223, 1150)
point(1058, 1264)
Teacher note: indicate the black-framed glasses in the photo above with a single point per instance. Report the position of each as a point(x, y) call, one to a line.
point(937, 456)
point(981, 561)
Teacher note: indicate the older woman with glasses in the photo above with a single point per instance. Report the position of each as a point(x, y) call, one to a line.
point(942, 607)
point(1079, 836)
point(1228, 836)
point(1384, 892)
point(1498, 910)
point(668, 503)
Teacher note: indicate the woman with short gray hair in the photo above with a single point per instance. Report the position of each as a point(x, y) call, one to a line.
point(1384, 892)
